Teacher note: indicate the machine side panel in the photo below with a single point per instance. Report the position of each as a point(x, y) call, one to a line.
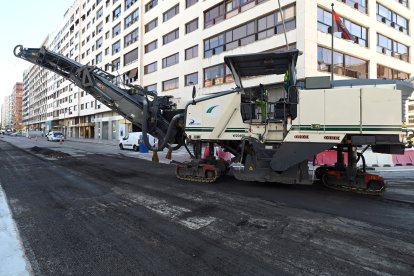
point(216, 119)
point(361, 110)
point(342, 110)
point(310, 110)
point(381, 110)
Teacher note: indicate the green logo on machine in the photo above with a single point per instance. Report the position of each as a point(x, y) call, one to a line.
point(210, 109)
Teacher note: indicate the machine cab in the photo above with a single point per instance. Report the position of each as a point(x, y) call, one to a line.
point(257, 106)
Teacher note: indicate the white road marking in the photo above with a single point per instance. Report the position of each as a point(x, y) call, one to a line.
point(196, 223)
point(167, 210)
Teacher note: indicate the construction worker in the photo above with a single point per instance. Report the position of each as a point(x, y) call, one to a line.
point(286, 81)
point(262, 102)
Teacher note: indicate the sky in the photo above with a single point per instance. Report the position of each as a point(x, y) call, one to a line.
point(25, 22)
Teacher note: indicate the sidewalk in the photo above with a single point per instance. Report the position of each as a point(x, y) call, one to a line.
point(94, 141)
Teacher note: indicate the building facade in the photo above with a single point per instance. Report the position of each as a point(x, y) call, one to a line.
point(6, 121)
point(16, 106)
point(34, 98)
point(170, 46)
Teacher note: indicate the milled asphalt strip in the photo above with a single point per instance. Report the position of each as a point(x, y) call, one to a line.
point(12, 259)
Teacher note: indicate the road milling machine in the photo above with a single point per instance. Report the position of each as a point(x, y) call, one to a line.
point(272, 132)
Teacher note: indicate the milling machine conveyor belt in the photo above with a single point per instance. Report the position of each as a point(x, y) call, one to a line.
point(128, 102)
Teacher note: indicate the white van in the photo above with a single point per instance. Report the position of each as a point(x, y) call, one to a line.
point(55, 136)
point(133, 139)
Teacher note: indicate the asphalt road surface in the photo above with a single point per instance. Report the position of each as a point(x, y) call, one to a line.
point(113, 214)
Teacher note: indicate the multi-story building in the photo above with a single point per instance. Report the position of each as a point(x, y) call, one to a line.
point(35, 97)
point(169, 46)
point(6, 122)
point(16, 106)
point(11, 109)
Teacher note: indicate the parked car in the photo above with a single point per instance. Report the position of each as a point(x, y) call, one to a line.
point(55, 136)
point(133, 139)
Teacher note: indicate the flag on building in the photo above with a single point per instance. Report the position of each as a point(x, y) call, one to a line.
point(339, 26)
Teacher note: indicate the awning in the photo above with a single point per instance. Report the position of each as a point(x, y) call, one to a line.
point(133, 73)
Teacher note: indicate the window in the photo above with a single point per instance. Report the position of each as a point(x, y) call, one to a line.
point(214, 15)
point(344, 65)
point(170, 37)
point(387, 73)
point(214, 45)
point(131, 57)
point(116, 13)
point(151, 87)
point(152, 67)
point(150, 5)
point(392, 19)
point(132, 18)
point(107, 51)
point(189, 3)
point(191, 52)
point(151, 46)
point(191, 26)
point(227, 9)
point(170, 60)
point(151, 25)
point(99, 28)
point(99, 43)
point(171, 13)
point(116, 64)
point(170, 84)
point(99, 13)
point(216, 75)
point(232, 5)
point(131, 38)
point(393, 48)
point(131, 76)
point(249, 32)
point(360, 5)
point(116, 47)
point(325, 22)
point(403, 2)
point(116, 30)
point(107, 35)
point(191, 79)
point(129, 3)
